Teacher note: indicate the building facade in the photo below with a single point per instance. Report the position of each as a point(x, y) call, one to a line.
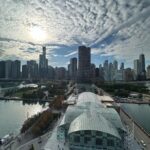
point(43, 65)
point(73, 69)
point(2, 69)
point(84, 64)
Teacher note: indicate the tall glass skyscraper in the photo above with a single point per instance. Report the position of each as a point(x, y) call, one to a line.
point(43, 64)
point(84, 64)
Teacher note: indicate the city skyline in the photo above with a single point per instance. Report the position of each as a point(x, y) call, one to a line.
point(80, 69)
point(119, 32)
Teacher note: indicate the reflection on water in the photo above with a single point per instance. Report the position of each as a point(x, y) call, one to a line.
point(140, 113)
point(14, 113)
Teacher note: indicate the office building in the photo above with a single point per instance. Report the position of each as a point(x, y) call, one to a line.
point(115, 65)
point(122, 66)
point(110, 72)
point(142, 63)
point(101, 73)
point(148, 72)
point(84, 64)
point(128, 74)
point(24, 71)
point(106, 70)
point(2, 69)
point(43, 65)
point(73, 68)
point(142, 67)
point(118, 76)
point(8, 69)
point(51, 73)
point(93, 73)
point(16, 72)
point(137, 68)
point(33, 72)
point(60, 73)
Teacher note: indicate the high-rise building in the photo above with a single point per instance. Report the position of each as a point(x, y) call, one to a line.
point(2, 69)
point(142, 63)
point(73, 68)
point(97, 72)
point(142, 67)
point(93, 73)
point(137, 68)
point(148, 72)
point(122, 66)
point(106, 70)
point(16, 69)
point(84, 64)
point(118, 76)
point(101, 73)
point(43, 64)
point(115, 65)
point(111, 71)
point(128, 74)
point(24, 71)
point(8, 69)
point(32, 69)
point(51, 73)
point(60, 73)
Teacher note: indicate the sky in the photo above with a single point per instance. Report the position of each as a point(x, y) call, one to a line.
point(114, 29)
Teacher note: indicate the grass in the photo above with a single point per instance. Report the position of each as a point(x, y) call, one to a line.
point(20, 93)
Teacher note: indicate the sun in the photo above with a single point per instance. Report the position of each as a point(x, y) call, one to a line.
point(38, 34)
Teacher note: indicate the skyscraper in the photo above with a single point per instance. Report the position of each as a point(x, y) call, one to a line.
point(32, 69)
point(142, 63)
point(60, 73)
point(122, 66)
point(51, 73)
point(24, 71)
point(43, 64)
point(115, 65)
point(101, 73)
point(16, 69)
point(84, 64)
point(8, 69)
point(110, 72)
point(128, 74)
point(2, 69)
point(142, 67)
point(106, 69)
point(137, 68)
point(73, 68)
point(148, 72)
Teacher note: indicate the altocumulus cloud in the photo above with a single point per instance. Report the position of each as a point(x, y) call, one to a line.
point(119, 28)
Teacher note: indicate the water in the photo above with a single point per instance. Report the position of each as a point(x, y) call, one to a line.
point(14, 113)
point(140, 113)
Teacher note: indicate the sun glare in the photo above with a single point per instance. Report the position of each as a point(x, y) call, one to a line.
point(38, 34)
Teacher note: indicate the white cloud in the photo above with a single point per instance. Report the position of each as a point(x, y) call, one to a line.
point(75, 22)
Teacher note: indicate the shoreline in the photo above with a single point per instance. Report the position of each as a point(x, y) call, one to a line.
point(23, 99)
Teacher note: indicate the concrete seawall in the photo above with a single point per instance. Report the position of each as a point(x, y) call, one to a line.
point(139, 132)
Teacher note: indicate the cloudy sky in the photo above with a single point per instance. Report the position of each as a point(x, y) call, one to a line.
point(114, 29)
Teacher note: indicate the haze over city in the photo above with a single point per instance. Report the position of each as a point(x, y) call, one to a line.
point(117, 30)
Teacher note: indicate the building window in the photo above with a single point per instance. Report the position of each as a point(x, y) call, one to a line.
point(77, 139)
point(99, 133)
point(110, 142)
point(87, 132)
point(99, 141)
point(87, 139)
